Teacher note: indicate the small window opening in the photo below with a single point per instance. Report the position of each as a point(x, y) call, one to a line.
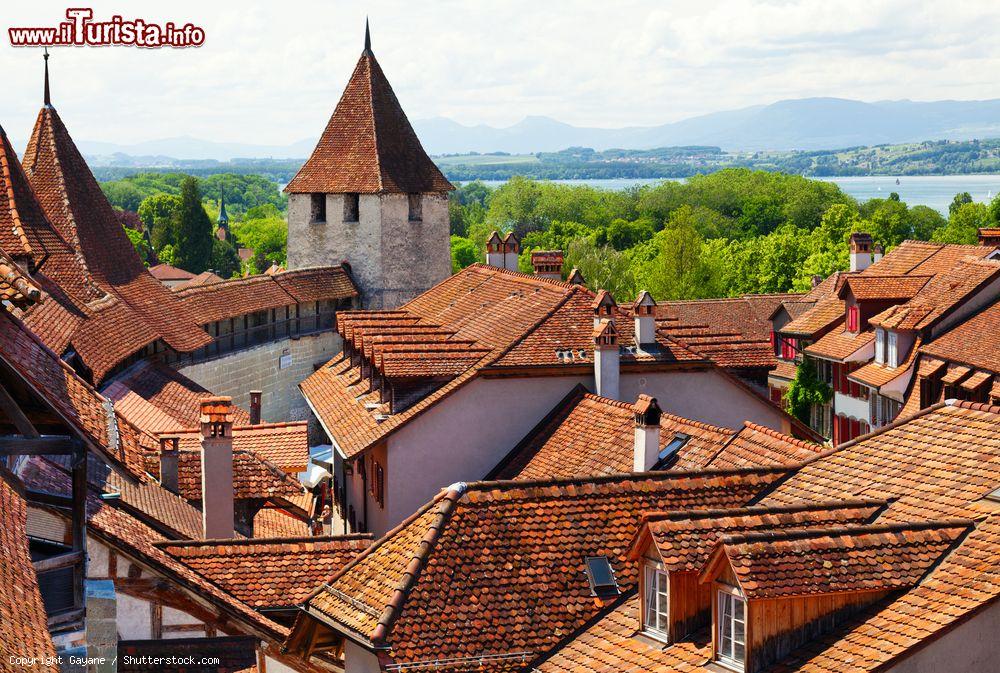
point(318, 210)
point(654, 618)
point(351, 207)
point(416, 208)
point(601, 576)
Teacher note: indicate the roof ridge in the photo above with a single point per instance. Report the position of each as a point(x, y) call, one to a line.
point(751, 510)
point(250, 541)
point(8, 178)
point(974, 406)
point(482, 266)
point(272, 426)
point(785, 535)
point(368, 57)
point(801, 443)
point(417, 562)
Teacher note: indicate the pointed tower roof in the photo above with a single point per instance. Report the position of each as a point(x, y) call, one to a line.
point(74, 204)
point(223, 217)
point(368, 145)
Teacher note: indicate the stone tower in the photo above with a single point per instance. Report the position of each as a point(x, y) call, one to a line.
point(370, 196)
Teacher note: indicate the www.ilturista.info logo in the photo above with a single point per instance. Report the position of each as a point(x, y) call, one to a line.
point(82, 30)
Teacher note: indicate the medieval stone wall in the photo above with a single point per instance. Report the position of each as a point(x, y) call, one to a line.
point(276, 368)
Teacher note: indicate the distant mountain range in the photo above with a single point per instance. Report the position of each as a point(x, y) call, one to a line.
point(804, 124)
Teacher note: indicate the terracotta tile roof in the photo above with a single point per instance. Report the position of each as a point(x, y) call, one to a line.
point(826, 314)
point(253, 477)
point(368, 145)
point(15, 287)
point(730, 350)
point(234, 654)
point(755, 446)
point(73, 202)
point(784, 370)
point(974, 341)
point(977, 379)
point(157, 398)
point(840, 344)
point(130, 536)
point(509, 319)
point(454, 579)
point(686, 539)
point(838, 559)
point(877, 375)
point(269, 573)
point(203, 278)
point(876, 288)
point(955, 373)
point(274, 522)
point(748, 315)
point(587, 435)
point(24, 630)
point(79, 405)
point(162, 272)
point(284, 445)
point(316, 284)
point(924, 258)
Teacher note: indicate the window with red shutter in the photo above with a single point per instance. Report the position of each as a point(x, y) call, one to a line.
point(852, 318)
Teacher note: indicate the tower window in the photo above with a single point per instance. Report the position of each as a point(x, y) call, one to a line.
point(318, 208)
point(416, 209)
point(351, 207)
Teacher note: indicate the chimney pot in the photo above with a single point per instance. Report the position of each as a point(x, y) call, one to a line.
point(604, 307)
point(217, 507)
point(547, 263)
point(169, 457)
point(644, 309)
point(646, 450)
point(877, 252)
point(861, 251)
point(494, 250)
point(606, 359)
point(511, 250)
point(816, 280)
point(255, 396)
point(575, 277)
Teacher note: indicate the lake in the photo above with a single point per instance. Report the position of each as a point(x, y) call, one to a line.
point(935, 191)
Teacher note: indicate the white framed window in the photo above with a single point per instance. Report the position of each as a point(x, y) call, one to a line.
point(880, 346)
point(893, 352)
point(654, 616)
point(731, 648)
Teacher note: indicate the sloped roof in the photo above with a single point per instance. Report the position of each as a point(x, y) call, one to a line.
point(284, 445)
point(162, 272)
point(686, 539)
point(455, 579)
point(269, 573)
point(756, 445)
point(826, 314)
point(253, 478)
point(368, 146)
point(975, 341)
point(840, 344)
point(924, 258)
point(588, 435)
point(24, 629)
point(203, 278)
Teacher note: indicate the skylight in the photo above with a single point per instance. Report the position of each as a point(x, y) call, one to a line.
point(993, 495)
point(601, 576)
point(673, 446)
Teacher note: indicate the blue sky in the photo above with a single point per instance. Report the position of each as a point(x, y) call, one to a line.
point(271, 72)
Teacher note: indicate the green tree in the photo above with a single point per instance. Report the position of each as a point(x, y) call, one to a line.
point(463, 253)
point(225, 260)
point(806, 390)
point(157, 214)
point(122, 194)
point(603, 268)
point(266, 236)
point(960, 200)
point(963, 225)
point(140, 245)
point(192, 230)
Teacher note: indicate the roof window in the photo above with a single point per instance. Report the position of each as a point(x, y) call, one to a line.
point(673, 446)
point(601, 576)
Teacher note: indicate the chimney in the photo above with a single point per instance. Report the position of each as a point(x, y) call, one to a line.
point(511, 249)
point(606, 358)
point(645, 319)
point(217, 509)
point(168, 462)
point(604, 307)
point(547, 263)
point(816, 280)
point(647, 433)
point(255, 407)
point(575, 277)
point(861, 251)
point(877, 252)
point(494, 250)
point(989, 236)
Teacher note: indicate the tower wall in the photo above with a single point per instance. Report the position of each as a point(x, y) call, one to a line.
point(392, 258)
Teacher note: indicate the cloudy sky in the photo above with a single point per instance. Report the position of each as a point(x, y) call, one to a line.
point(271, 72)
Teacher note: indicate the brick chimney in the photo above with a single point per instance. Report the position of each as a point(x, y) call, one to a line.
point(989, 236)
point(861, 251)
point(877, 252)
point(547, 263)
point(575, 277)
point(168, 462)
point(217, 508)
point(511, 250)
point(255, 396)
point(494, 250)
point(647, 433)
point(606, 359)
point(644, 309)
point(604, 307)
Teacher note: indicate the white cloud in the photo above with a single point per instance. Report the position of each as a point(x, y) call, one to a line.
point(272, 72)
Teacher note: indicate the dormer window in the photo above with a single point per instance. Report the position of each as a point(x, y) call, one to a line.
point(415, 207)
point(352, 203)
point(731, 636)
point(892, 350)
point(317, 203)
point(880, 346)
point(655, 615)
point(601, 576)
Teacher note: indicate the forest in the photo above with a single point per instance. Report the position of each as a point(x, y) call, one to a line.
point(726, 233)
